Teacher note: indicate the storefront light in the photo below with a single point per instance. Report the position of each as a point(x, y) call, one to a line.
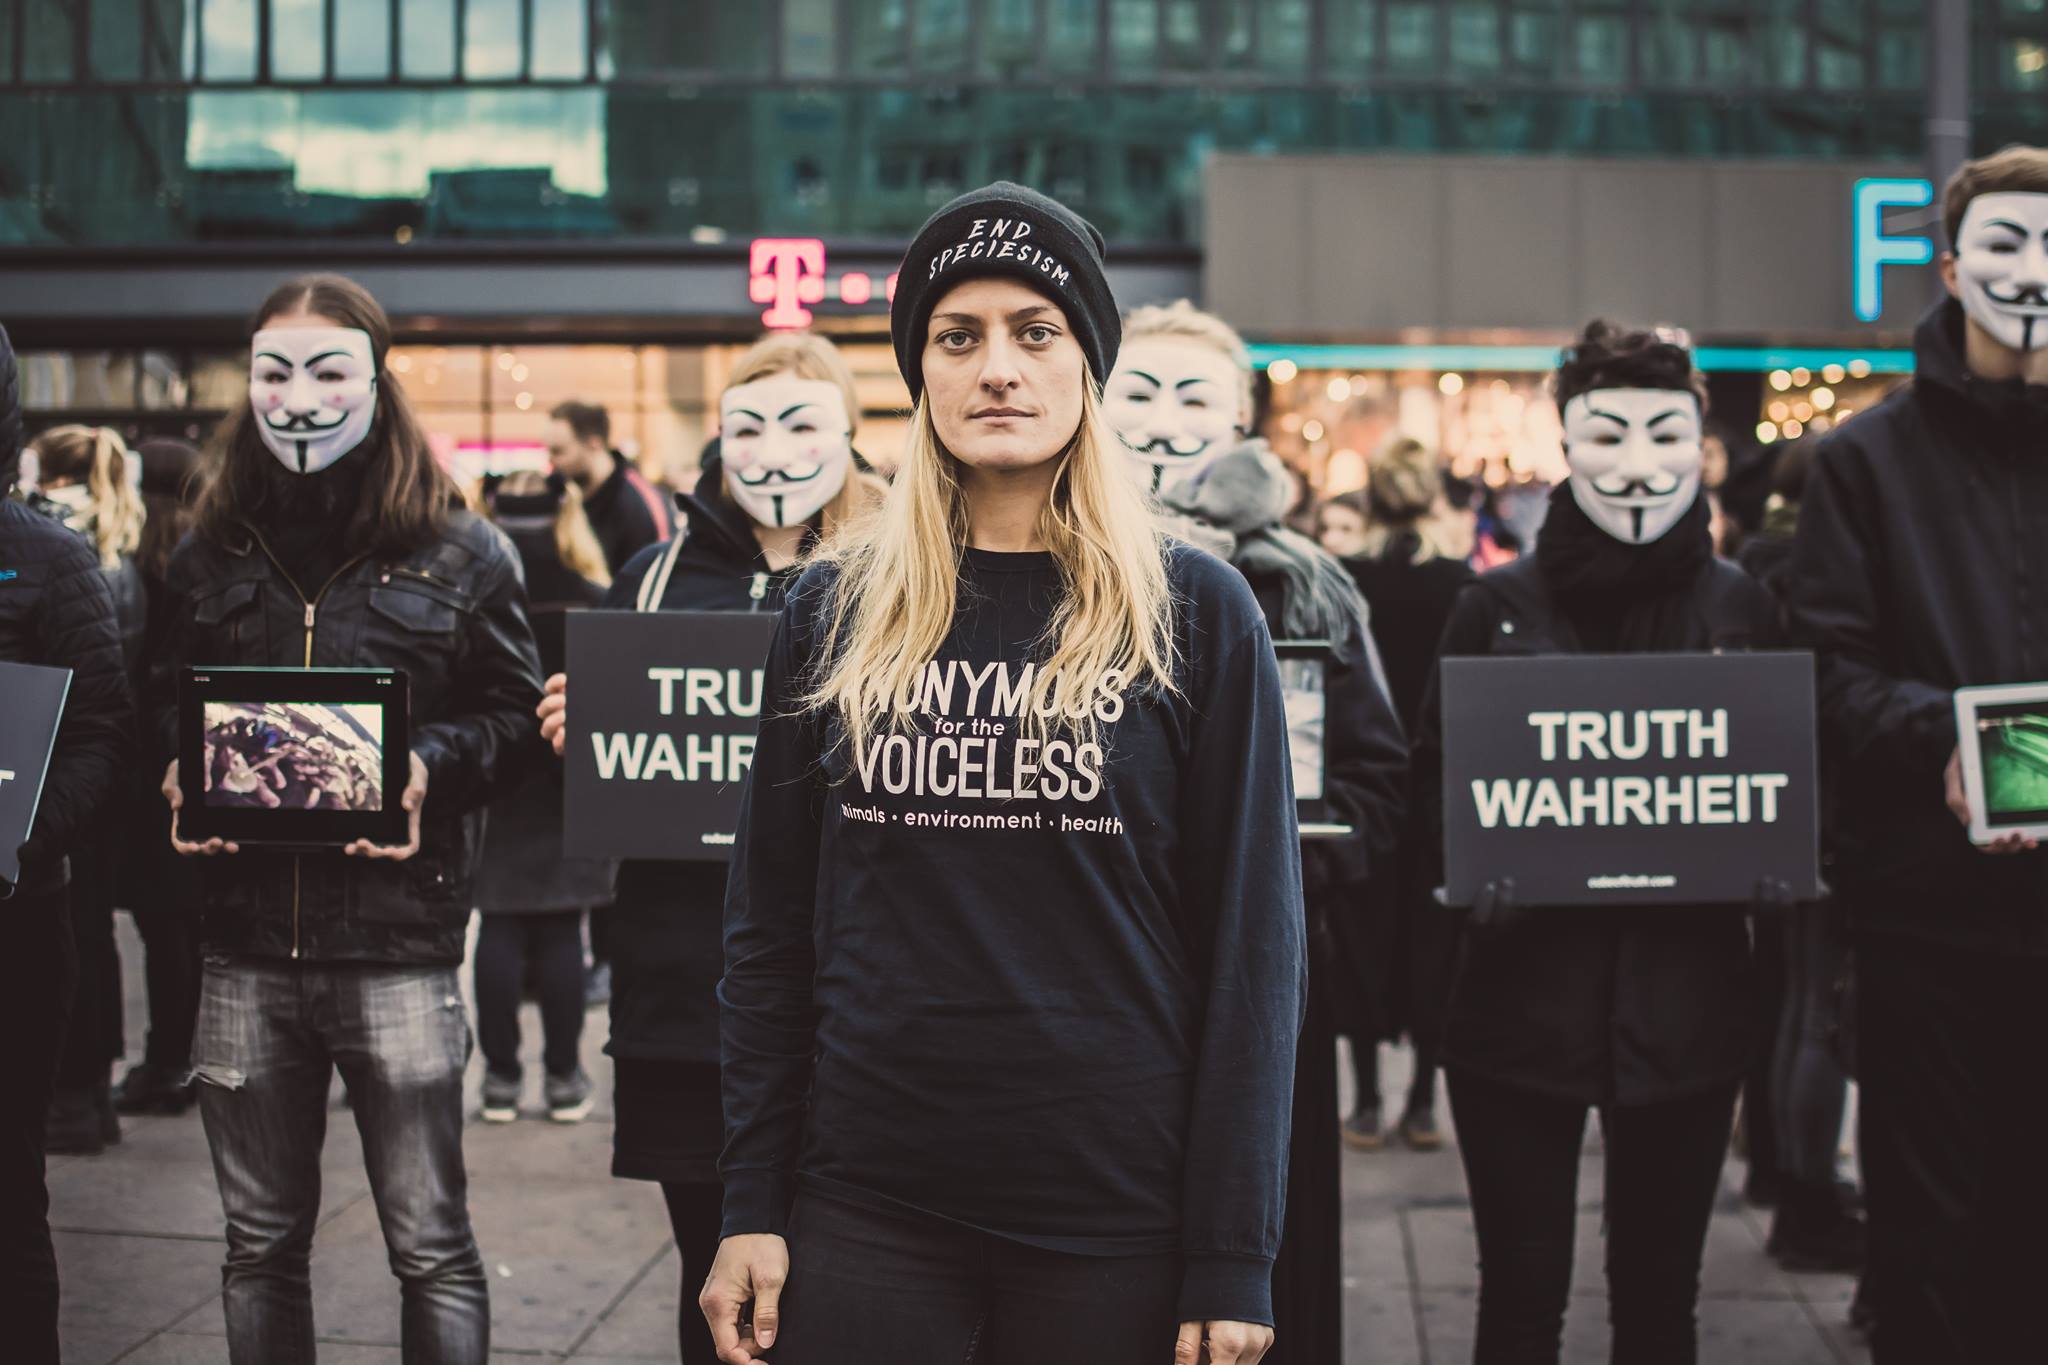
point(1281, 371)
point(523, 401)
point(1767, 432)
point(402, 364)
point(1801, 376)
point(1833, 374)
point(1450, 384)
point(1311, 430)
point(1823, 399)
point(1859, 369)
point(1781, 380)
point(1794, 429)
point(505, 360)
point(1803, 411)
point(1779, 410)
point(1339, 389)
point(519, 373)
point(1820, 423)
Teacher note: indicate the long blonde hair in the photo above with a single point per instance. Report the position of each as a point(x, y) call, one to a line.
point(810, 356)
point(98, 458)
point(893, 599)
point(575, 541)
point(1404, 496)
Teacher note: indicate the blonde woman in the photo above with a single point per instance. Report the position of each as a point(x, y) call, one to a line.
point(1014, 944)
point(781, 473)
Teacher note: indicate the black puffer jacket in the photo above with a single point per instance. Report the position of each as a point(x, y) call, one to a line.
point(56, 610)
point(453, 617)
point(667, 925)
point(1919, 567)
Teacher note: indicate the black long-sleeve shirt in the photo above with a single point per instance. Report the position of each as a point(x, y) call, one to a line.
point(1051, 994)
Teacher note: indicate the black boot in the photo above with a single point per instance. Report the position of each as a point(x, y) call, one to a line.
point(1813, 1231)
point(74, 1127)
point(150, 1089)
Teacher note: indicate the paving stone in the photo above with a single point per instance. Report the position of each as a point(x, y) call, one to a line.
point(113, 1283)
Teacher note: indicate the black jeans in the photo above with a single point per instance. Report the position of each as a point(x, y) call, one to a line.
point(693, 1212)
point(38, 971)
point(94, 1040)
point(507, 945)
point(170, 966)
point(869, 1286)
point(1521, 1153)
point(270, 1037)
point(1809, 1090)
point(1952, 1115)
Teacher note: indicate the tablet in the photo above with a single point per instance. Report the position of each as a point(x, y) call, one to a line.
point(1304, 685)
point(311, 757)
point(2002, 735)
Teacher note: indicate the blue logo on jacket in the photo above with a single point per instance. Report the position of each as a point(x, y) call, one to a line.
point(6, 574)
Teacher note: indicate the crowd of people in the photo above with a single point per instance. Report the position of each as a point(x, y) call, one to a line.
point(1037, 1057)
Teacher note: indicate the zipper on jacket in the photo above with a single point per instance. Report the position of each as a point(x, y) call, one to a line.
point(759, 592)
point(312, 613)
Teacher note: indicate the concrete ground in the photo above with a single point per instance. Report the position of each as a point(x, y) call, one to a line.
point(582, 1266)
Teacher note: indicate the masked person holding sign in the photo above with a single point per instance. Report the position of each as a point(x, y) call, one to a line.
point(328, 536)
point(1014, 936)
point(1917, 569)
point(1642, 1012)
point(780, 473)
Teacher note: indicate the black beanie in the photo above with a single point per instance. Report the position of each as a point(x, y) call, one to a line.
point(10, 413)
point(1006, 229)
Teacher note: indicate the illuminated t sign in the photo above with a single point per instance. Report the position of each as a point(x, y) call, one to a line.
point(1872, 250)
point(788, 272)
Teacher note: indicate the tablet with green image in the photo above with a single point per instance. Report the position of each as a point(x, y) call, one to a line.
point(2003, 740)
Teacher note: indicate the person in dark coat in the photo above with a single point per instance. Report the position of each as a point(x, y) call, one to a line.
point(1237, 497)
point(1647, 1016)
point(56, 611)
point(667, 917)
point(1410, 568)
point(531, 897)
point(83, 480)
point(1917, 569)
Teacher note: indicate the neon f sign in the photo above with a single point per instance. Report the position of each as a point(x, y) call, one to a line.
point(1872, 250)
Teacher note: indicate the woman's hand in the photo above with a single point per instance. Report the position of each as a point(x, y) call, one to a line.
point(752, 1267)
point(175, 795)
point(1959, 806)
point(415, 797)
point(1222, 1343)
point(554, 712)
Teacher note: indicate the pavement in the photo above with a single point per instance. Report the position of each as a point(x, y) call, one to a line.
point(583, 1268)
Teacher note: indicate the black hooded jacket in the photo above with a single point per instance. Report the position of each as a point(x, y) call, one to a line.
point(56, 610)
point(667, 922)
point(1921, 566)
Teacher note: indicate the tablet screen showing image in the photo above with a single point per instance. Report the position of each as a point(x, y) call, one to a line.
point(2012, 751)
point(1304, 683)
point(294, 755)
point(310, 757)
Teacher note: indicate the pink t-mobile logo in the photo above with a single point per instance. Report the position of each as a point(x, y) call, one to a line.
point(786, 273)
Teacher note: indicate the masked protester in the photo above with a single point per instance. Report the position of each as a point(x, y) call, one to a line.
point(1014, 930)
point(1917, 569)
point(83, 479)
point(780, 474)
point(56, 610)
point(328, 536)
point(1236, 495)
point(1646, 1014)
point(1181, 394)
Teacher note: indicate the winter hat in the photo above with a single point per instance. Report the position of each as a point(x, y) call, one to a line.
point(10, 412)
point(1006, 229)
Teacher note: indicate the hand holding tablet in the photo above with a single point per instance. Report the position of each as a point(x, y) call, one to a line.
point(1997, 780)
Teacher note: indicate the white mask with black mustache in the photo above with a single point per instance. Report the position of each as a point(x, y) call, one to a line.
point(1635, 457)
point(314, 392)
point(1175, 402)
point(2002, 267)
point(787, 444)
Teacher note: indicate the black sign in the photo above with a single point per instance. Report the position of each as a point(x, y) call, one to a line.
point(662, 712)
point(28, 732)
point(1590, 779)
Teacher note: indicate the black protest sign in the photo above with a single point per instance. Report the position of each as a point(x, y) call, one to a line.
point(663, 708)
point(1626, 779)
point(28, 732)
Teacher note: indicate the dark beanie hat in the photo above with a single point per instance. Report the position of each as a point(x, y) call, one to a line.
point(1006, 229)
point(10, 412)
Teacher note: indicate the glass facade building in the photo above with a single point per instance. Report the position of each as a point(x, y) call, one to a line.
point(150, 122)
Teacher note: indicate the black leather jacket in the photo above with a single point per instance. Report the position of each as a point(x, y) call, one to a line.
point(453, 617)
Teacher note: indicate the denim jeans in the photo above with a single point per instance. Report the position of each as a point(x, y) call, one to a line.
point(269, 1037)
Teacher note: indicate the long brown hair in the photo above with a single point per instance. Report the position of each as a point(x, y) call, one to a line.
point(407, 495)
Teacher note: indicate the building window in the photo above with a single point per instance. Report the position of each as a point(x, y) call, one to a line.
point(362, 40)
point(426, 36)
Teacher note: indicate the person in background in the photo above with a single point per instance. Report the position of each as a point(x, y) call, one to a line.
point(746, 534)
point(532, 898)
point(1235, 501)
point(83, 478)
point(328, 536)
point(1410, 567)
point(1008, 1060)
point(1646, 1014)
point(626, 511)
point(56, 611)
point(1917, 569)
point(155, 883)
point(1341, 524)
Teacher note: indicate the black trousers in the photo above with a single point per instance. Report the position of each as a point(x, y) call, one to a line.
point(1952, 1117)
point(1521, 1153)
point(94, 1040)
point(38, 972)
point(170, 967)
point(508, 945)
point(868, 1286)
point(694, 1215)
